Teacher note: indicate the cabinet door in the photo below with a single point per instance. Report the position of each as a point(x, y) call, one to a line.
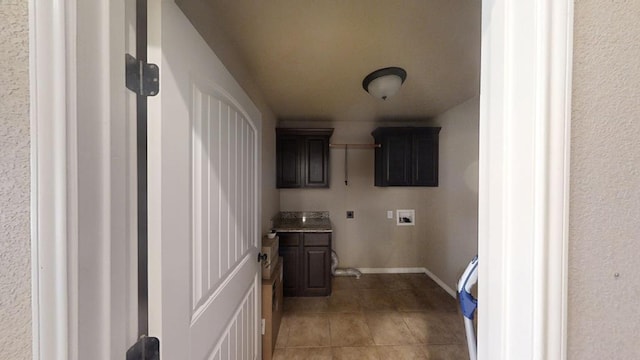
point(316, 161)
point(291, 269)
point(317, 269)
point(288, 162)
point(291, 252)
point(396, 150)
point(425, 160)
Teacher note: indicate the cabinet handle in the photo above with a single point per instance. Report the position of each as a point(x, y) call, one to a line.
point(262, 257)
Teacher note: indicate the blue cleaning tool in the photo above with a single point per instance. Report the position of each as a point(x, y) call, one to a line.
point(469, 304)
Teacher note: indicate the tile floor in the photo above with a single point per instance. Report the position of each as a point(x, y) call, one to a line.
point(378, 317)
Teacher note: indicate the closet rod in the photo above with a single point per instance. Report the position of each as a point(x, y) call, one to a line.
point(356, 146)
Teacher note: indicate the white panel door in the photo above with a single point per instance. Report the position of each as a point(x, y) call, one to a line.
point(204, 166)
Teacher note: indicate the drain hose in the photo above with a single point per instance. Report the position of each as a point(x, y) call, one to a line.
point(342, 272)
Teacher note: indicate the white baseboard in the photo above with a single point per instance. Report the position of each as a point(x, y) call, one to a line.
point(442, 284)
point(416, 270)
point(411, 270)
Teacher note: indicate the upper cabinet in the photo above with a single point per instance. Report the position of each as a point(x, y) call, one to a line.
point(408, 156)
point(302, 158)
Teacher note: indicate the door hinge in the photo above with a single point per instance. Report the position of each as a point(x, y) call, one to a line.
point(146, 348)
point(141, 77)
point(263, 326)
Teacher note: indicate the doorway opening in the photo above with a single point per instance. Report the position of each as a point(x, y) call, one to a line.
point(506, 75)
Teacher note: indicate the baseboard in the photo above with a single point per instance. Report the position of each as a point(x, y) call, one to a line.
point(411, 270)
point(442, 284)
point(416, 270)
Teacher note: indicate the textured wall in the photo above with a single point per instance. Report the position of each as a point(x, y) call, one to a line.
point(15, 256)
point(444, 237)
point(605, 182)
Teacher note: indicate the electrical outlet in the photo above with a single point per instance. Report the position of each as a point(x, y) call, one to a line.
point(389, 214)
point(349, 214)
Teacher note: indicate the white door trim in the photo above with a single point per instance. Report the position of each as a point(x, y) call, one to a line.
point(525, 113)
point(524, 147)
point(53, 174)
point(79, 180)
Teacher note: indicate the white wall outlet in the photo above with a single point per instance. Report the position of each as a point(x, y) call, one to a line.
point(406, 217)
point(389, 214)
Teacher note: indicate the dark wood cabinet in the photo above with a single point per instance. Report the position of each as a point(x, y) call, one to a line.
point(408, 156)
point(288, 161)
point(302, 158)
point(307, 263)
point(291, 253)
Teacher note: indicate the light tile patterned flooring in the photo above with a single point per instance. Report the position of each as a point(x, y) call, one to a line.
point(378, 317)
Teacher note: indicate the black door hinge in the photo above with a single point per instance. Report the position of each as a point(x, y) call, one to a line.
point(146, 348)
point(142, 78)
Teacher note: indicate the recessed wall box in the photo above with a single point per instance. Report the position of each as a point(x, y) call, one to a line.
point(405, 217)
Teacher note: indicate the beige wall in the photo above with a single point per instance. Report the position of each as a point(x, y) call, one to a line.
point(15, 254)
point(605, 182)
point(456, 220)
point(199, 15)
point(445, 235)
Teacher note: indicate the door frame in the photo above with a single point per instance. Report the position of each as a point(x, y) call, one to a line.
point(81, 224)
point(77, 131)
point(525, 123)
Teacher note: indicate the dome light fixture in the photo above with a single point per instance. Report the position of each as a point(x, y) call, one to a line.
point(384, 83)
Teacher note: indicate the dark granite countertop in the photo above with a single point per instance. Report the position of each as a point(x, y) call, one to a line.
point(302, 221)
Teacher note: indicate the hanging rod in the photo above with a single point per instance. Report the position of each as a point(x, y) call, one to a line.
point(346, 158)
point(355, 146)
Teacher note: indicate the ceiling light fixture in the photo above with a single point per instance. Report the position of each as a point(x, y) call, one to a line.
point(384, 83)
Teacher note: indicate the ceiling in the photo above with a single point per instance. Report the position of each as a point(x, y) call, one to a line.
point(308, 57)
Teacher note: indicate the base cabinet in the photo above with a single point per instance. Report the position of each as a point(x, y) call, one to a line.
point(307, 263)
